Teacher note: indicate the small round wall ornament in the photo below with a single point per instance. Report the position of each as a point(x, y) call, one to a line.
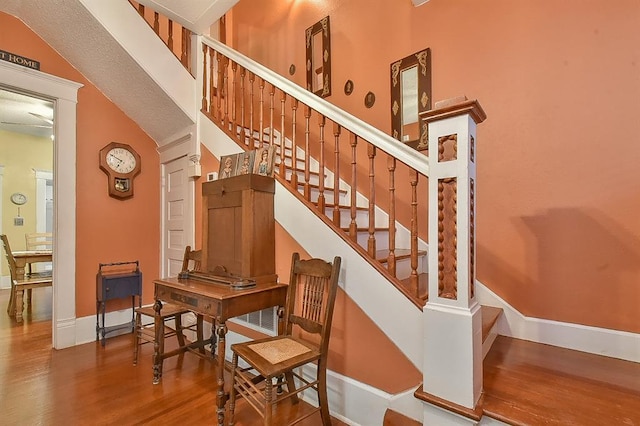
point(369, 99)
point(292, 69)
point(348, 87)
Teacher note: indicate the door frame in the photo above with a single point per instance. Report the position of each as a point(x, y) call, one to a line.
point(64, 93)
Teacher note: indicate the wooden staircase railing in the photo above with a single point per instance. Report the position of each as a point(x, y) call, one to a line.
point(366, 186)
point(165, 28)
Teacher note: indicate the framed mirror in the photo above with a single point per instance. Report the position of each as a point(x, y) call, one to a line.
point(318, 42)
point(411, 95)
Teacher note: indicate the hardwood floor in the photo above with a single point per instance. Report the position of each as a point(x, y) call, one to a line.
point(528, 383)
point(89, 384)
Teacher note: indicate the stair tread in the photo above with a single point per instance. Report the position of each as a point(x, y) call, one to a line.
point(393, 418)
point(383, 255)
point(533, 383)
point(490, 315)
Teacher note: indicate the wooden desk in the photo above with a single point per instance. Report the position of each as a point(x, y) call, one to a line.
point(218, 301)
point(30, 256)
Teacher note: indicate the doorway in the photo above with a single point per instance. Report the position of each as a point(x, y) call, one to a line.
point(63, 93)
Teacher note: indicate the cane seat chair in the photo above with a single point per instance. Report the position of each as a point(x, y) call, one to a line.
point(145, 328)
point(304, 339)
point(19, 286)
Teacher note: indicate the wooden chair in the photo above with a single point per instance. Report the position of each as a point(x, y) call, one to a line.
point(145, 331)
point(18, 286)
point(304, 339)
point(38, 241)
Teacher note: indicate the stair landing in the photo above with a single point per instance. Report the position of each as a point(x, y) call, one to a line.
point(527, 383)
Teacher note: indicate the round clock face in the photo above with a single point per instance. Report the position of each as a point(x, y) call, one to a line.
point(18, 198)
point(121, 160)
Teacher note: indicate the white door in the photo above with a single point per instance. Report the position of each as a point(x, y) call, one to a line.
point(178, 215)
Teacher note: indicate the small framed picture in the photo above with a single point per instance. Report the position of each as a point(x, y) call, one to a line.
point(244, 165)
point(228, 165)
point(263, 161)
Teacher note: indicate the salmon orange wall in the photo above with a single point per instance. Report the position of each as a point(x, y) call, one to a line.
point(558, 196)
point(353, 333)
point(107, 229)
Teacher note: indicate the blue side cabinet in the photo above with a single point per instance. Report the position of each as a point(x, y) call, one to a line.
point(117, 280)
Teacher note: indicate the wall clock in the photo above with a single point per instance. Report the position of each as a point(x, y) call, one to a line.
point(18, 198)
point(121, 163)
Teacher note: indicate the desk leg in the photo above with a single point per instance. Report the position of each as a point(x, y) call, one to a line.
point(221, 399)
point(158, 344)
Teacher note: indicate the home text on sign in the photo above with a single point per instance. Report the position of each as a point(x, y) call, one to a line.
point(19, 60)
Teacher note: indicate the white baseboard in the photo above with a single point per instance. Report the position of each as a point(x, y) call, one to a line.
point(599, 341)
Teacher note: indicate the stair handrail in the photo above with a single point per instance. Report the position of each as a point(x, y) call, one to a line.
point(403, 153)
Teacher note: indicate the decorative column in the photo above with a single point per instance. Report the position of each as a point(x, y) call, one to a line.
point(453, 325)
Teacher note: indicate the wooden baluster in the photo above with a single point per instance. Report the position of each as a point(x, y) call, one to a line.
point(186, 49)
point(294, 146)
point(414, 278)
point(391, 259)
point(336, 174)
point(283, 138)
point(156, 23)
point(272, 108)
point(221, 93)
point(243, 124)
point(353, 225)
point(321, 167)
point(213, 91)
point(261, 114)
point(141, 10)
point(205, 53)
point(371, 242)
point(234, 99)
point(252, 78)
point(170, 40)
point(225, 80)
point(307, 153)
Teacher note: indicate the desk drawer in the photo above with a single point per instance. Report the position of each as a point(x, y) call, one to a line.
point(187, 300)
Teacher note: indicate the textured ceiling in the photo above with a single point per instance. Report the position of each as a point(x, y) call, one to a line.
point(24, 114)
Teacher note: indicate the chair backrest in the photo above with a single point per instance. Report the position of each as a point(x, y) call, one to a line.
point(311, 296)
point(191, 256)
point(39, 241)
point(9, 255)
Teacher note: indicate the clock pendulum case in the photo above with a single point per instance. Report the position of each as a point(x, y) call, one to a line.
point(121, 163)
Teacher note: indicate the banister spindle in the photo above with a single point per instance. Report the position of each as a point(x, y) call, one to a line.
point(213, 88)
point(283, 139)
point(294, 146)
point(243, 124)
point(252, 78)
point(234, 99)
point(156, 23)
point(321, 167)
point(186, 49)
point(221, 93)
point(261, 113)
point(336, 174)
point(272, 109)
point(225, 84)
point(371, 242)
point(391, 258)
point(414, 278)
point(353, 225)
point(307, 153)
point(170, 39)
point(205, 53)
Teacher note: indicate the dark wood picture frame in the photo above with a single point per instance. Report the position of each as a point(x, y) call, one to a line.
point(319, 61)
point(421, 60)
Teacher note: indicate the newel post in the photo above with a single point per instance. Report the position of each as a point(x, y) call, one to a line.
point(452, 370)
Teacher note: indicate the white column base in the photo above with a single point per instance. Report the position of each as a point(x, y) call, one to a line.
point(453, 353)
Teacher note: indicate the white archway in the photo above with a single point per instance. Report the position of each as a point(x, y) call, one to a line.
point(64, 93)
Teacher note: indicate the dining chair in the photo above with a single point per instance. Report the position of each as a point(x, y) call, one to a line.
point(18, 286)
point(145, 330)
point(304, 340)
point(38, 241)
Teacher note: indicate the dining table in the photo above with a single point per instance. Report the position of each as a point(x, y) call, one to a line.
point(23, 257)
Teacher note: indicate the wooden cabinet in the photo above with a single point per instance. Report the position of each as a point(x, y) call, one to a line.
point(116, 284)
point(239, 227)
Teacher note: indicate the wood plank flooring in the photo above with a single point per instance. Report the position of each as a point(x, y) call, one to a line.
point(528, 383)
point(89, 384)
